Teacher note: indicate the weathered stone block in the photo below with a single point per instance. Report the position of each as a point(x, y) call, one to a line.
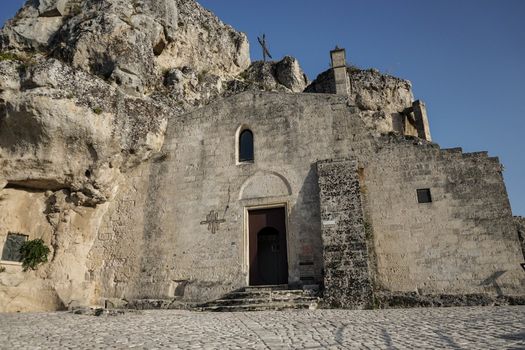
point(347, 280)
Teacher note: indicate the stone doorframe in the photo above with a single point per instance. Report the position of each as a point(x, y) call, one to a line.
point(246, 235)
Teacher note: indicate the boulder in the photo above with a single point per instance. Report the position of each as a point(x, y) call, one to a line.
point(285, 75)
point(204, 43)
point(288, 72)
point(28, 31)
point(52, 8)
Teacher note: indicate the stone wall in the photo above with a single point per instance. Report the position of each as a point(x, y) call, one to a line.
point(197, 172)
point(148, 242)
point(345, 253)
point(121, 246)
point(463, 242)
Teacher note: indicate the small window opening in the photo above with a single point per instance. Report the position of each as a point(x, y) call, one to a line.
point(246, 146)
point(11, 250)
point(424, 196)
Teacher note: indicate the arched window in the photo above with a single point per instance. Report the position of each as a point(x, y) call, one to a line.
point(246, 146)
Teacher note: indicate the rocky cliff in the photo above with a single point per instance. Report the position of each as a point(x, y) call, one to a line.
point(84, 102)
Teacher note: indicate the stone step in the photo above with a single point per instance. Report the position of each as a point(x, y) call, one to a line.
point(258, 307)
point(153, 304)
point(260, 298)
point(264, 294)
point(229, 302)
point(267, 288)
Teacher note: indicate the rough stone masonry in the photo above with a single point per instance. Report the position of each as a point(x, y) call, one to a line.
point(346, 271)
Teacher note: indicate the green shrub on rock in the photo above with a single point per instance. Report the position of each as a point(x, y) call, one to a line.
point(33, 253)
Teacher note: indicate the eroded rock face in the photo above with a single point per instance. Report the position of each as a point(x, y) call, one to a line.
point(285, 75)
point(63, 128)
point(205, 44)
point(28, 31)
point(192, 88)
point(86, 90)
point(79, 119)
point(290, 74)
point(196, 88)
point(53, 8)
point(70, 231)
point(128, 43)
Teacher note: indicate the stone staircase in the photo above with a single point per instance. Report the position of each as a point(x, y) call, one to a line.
point(263, 298)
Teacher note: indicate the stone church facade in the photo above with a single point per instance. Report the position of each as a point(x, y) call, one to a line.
point(370, 216)
point(339, 186)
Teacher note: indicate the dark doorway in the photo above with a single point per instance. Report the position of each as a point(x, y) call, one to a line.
point(268, 255)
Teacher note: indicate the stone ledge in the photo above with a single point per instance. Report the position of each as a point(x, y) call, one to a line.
point(387, 300)
point(10, 263)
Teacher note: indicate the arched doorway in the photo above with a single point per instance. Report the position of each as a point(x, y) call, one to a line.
point(268, 249)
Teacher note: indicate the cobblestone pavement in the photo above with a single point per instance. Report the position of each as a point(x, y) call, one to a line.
point(451, 328)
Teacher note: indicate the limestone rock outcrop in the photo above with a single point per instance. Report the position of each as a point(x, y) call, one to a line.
point(284, 75)
point(192, 88)
point(83, 104)
point(204, 43)
point(64, 128)
point(197, 88)
point(129, 43)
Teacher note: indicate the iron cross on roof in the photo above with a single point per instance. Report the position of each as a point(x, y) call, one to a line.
point(265, 50)
point(213, 222)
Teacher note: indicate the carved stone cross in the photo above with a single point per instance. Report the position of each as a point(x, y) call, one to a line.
point(213, 222)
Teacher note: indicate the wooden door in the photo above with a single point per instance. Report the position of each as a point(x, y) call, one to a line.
point(268, 248)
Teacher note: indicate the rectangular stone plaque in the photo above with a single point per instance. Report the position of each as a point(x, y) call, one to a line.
point(329, 222)
point(306, 270)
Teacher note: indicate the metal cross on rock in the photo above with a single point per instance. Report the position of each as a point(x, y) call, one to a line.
point(213, 222)
point(265, 50)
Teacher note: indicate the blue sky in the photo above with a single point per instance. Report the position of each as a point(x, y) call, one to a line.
point(465, 58)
